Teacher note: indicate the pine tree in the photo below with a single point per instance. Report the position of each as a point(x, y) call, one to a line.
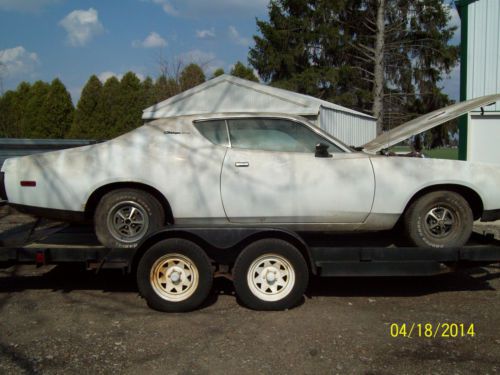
point(242, 71)
point(165, 88)
point(9, 117)
point(86, 121)
point(56, 113)
point(372, 55)
point(218, 72)
point(107, 109)
point(148, 93)
point(191, 76)
point(33, 121)
point(129, 104)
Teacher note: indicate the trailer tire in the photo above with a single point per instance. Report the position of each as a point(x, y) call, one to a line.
point(174, 275)
point(439, 219)
point(270, 274)
point(117, 226)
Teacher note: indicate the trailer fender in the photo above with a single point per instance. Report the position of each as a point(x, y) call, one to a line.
point(223, 244)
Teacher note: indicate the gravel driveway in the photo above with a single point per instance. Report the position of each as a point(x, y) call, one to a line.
point(66, 320)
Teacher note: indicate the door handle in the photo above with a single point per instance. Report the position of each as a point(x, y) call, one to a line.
point(242, 164)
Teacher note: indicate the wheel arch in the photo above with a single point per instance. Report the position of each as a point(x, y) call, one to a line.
point(96, 196)
point(470, 195)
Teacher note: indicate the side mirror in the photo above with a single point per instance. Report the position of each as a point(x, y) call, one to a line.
point(322, 151)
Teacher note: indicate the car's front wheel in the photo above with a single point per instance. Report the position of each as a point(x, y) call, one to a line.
point(124, 217)
point(439, 219)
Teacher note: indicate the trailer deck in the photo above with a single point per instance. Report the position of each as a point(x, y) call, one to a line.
point(332, 255)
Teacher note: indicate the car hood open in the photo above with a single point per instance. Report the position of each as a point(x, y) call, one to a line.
point(426, 122)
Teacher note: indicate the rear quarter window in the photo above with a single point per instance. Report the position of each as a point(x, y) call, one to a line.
point(213, 130)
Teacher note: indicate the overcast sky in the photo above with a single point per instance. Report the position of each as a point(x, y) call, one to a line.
point(45, 39)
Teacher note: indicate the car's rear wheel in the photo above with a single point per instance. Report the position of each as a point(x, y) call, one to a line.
point(174, 275)
point(124, 217)
point(270, 274)
point(439, 219)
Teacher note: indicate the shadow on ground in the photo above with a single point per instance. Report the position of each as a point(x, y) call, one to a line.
point(69, 278)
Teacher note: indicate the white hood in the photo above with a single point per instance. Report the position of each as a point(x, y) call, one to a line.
point(426, 122)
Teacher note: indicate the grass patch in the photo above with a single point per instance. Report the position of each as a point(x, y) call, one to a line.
point(437, 153)
point(442, 153)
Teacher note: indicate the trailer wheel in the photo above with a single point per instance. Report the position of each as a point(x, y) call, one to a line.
point(439, 219)
point(270, 274)
point(174, 275)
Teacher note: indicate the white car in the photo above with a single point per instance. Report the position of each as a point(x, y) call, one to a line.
point(259, 170)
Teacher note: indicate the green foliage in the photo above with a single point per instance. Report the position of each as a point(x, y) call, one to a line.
point(242, 71)
point(107, 109)
point(56, 112)
point(129, 105)
point(86, 124)
point(33, 123)
point(165, 88)
point(191, 76)
point(327, 49)
point(218, 72)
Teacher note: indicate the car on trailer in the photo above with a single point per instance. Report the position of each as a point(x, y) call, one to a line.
point(258, 170)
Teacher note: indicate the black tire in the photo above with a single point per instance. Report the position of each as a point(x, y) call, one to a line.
point(439, 219)
point(106, 220)
point(174, 255)
point(255, 291)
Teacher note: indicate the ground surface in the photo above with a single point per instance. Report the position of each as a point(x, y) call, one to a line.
point(67, 320)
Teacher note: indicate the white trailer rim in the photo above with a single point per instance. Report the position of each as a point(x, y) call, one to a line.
point(174, 277)
point(271, 277)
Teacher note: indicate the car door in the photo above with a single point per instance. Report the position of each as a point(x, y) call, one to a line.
point(270, 175)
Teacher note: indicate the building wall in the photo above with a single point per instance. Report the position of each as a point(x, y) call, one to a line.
point(352, 130)
point(483, 138)
point(483, 50)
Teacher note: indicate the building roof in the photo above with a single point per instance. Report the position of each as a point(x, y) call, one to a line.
point(227, 93)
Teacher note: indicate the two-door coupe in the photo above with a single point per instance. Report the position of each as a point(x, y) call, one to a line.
point(257, 169)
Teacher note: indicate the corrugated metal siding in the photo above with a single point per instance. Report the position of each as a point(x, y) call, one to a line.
point(10, 147)
point(352, 130)
point(483, 54)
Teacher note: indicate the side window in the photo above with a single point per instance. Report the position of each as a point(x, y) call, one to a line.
point(214, 130)
point(274, 135)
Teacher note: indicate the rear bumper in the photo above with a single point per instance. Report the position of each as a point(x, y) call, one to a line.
point(3, 193)
point(490, 215)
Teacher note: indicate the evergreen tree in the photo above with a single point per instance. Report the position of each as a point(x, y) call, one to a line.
point(11, 113)
point(107, 109)
point(165, 88)
point(148, 93)
point(33, 121)
point(56, 112)
point(372, 55)
point(86, 121)
point(218, 72)
point(129, 104)
point(242, 71)
point(191, 76)
point(19, 109)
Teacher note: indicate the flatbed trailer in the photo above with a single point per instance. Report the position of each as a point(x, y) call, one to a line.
point(270, 267)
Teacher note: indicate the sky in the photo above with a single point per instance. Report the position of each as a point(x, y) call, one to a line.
point(73, 39)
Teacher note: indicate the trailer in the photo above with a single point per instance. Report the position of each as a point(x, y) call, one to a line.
point(270, 267)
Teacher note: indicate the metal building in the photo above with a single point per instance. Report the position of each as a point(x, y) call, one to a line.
point(231, 94)
point(479, 76)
